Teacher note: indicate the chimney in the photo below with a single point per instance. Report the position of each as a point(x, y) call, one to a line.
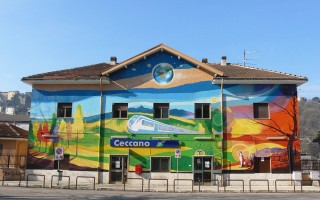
point(205, 60)
point(223, 60)
point(113, 60)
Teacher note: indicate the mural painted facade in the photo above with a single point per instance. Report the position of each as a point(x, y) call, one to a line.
point(231, 137)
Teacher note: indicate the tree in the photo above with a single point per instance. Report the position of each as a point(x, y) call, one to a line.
point(317, 139)
point(316, 99)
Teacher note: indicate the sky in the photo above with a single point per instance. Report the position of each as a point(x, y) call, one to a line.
point(39, 36)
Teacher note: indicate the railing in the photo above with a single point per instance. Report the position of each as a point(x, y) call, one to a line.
point(255, 180)
point(4, 175)
point(124, 183)
point(12, 161)
point(94, 181)
point(234, 180)
point(277, 180)
point(174, 183)
point(59, 178)
point(44, 179)
point(158, 179)
point(209, 180)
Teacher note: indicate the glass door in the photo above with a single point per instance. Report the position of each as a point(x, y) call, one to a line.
point(118, 169)
point(202, 169)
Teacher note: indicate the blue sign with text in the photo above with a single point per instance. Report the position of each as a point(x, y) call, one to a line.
point(143, 143)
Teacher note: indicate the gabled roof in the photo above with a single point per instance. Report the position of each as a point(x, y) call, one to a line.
point(162, 47)
point(232, 71)
point(234, 74)
point(14, 118)
point(84, 74)
point(10, 131)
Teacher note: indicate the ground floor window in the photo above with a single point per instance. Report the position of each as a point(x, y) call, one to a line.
point(160, 164)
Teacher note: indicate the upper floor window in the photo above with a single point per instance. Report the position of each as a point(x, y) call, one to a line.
point(161, 110)
point(202, 110)
point(120, 110)
point(261, 110)
point(64, 110)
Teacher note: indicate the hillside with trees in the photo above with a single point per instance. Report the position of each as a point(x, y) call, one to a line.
point(309, 111)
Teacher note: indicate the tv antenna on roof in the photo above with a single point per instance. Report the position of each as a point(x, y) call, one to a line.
point(245, 56)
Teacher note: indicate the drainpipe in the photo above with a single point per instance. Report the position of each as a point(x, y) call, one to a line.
point(222, 126)
point(100, 178)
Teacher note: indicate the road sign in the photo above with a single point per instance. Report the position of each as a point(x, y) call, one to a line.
point(178, 153)
point(59, 153)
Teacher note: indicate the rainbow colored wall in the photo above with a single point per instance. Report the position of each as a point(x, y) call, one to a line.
point(162, 78)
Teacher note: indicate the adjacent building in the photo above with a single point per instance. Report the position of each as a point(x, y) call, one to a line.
point(13, 151)
point(162, 112)
point(21, 121)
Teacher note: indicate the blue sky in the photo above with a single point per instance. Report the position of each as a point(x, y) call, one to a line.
point(41, 36)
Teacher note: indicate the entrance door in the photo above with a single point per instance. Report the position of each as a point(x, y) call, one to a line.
point(118, 169)
point(262, 165)
point(202, 169)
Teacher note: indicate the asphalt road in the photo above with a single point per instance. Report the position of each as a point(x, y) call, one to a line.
point(60, 194)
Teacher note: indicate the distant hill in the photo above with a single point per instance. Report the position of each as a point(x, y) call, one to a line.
point(309, 112)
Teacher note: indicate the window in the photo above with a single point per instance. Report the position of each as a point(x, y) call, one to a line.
point(161, 110)
point(202, 110)
point(64, 109)
point(160, 164)
point(260, 111)
point(120, 110)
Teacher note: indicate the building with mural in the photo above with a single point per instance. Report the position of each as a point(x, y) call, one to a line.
point(162, 112)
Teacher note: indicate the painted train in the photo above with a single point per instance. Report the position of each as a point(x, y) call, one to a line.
point(139, 124)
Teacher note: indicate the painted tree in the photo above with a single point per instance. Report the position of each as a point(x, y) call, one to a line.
point(69, 132)
point(39, 135)
point(78, 125)
point(53, 122)
point(63, 130)
point(288, 126)
point(35, 128)
point(55, 133)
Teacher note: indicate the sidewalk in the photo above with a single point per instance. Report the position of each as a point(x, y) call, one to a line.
point(185, 188)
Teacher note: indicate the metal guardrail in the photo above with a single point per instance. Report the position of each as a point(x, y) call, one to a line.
point(62, 177)
point(261, 180)
point(4, 175)
point(278, 180)
point(301, 183)
point(174, 183)
point(94, 181)
point(44, 179)
point(124, 183)
point(234, 180)
point(158, 179)
point(210, 180)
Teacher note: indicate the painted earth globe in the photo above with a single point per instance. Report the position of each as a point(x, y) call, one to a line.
point(163, 73)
